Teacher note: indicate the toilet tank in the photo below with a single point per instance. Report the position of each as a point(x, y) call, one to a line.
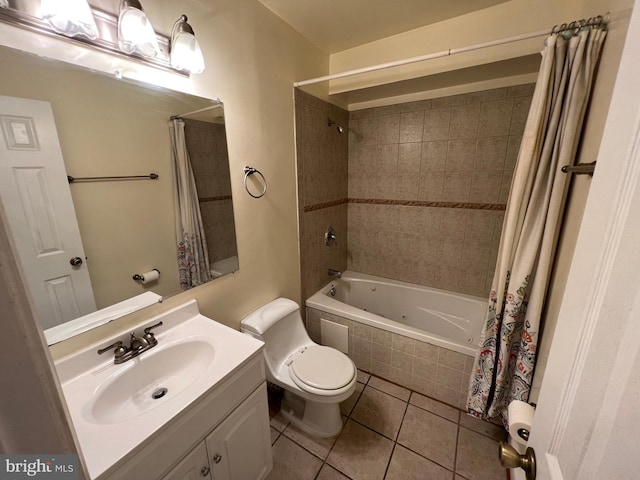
point(279, 325)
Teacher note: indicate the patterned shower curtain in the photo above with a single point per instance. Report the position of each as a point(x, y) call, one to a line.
point(504, 367)
point(193, 259)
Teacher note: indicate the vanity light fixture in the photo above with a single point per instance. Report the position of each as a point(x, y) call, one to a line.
point(135, 32)
point(69, 17)
point(127, 33)
point(185, 51)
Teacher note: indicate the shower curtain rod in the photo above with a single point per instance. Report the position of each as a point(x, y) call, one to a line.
point(598, 20)
point(217, 105)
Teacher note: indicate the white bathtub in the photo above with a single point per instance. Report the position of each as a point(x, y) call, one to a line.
point(445, 319)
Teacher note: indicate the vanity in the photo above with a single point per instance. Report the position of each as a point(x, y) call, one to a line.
point(193, 406)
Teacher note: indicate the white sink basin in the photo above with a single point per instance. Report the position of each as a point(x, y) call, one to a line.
point(113, 408)
point(147, 381)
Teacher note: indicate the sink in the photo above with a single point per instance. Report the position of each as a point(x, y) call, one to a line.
point(116, 408)
point(147, 381)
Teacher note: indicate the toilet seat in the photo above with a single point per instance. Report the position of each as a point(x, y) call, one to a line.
point(322, 370)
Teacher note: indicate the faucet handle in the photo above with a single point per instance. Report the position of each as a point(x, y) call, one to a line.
point(149, 336)
point(148, 329)
point(119, 348)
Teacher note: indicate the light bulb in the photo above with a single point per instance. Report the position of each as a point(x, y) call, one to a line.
point(185, 50)
point(70, 17)
point(135, 32)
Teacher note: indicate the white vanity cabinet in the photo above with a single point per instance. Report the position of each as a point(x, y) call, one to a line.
point(194, 466)
point(240, 447)
point(226, 431)
point(237, 449)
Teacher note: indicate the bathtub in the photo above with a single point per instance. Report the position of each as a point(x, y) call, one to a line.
point(445, 319)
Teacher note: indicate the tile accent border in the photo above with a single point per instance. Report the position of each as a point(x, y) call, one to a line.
point(214, 199)
point(421, 203)
point(321, 206)
point(407, 203)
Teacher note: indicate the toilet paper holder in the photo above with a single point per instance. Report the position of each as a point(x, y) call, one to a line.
point(140, 277)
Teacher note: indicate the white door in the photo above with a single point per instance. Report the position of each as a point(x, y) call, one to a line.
point(587, 423)
point(35, 194)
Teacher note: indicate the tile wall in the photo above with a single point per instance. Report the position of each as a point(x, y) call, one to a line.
point(322, 155)
point(437, 372)
point(428, 182)
point(207, 146)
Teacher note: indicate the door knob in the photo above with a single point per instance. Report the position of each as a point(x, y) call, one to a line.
point(76, 261)
point(510, 458)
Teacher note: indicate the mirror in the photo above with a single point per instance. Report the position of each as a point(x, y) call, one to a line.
point(111, 127)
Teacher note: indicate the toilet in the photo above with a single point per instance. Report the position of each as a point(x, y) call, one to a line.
point(315, 378)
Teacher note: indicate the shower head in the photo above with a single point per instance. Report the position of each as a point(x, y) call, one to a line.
point(330, 123)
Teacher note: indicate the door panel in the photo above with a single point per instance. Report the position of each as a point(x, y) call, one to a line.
point(35, 193)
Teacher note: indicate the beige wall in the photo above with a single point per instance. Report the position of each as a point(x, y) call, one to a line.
point(504, 20)
point(252, 59)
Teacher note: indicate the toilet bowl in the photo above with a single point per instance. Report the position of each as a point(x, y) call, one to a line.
point(315, 378)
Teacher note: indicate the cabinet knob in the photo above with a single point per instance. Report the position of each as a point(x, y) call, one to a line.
point(217, 457)
point(205, 470)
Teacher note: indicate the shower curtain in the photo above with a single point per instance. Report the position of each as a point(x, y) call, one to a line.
point(504, 367)
point(193, 259)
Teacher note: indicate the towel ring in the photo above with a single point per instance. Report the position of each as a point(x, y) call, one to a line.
point(248, 171)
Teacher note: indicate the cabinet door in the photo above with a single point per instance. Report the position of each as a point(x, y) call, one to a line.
point(194, 466)
point(240, 448)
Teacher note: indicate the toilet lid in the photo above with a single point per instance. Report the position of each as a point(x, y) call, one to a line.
point(321, 367)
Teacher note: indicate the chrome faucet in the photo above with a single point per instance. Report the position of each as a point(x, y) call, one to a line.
point(137, 345)
point(335, 273)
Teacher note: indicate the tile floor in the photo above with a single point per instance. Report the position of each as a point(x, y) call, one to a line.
point(390, 433)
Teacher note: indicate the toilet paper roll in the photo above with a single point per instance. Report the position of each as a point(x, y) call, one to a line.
point(150, 276)
point(520, 421)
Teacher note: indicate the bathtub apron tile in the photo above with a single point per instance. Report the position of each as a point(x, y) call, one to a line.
point(402, 361)
point(382, 337)
point(445, 394)
point(403, 344)
point(392, 389)
point(425, 369)
point(381, 354)
point(450, 378)
point(426, 351)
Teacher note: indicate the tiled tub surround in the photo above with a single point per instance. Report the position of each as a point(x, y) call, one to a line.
point(207, 146)
point(434, 371)
point(322, 159)
point(444, 166)
point(390, 433)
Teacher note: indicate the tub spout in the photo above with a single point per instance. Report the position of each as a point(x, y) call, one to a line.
point(334, 273)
